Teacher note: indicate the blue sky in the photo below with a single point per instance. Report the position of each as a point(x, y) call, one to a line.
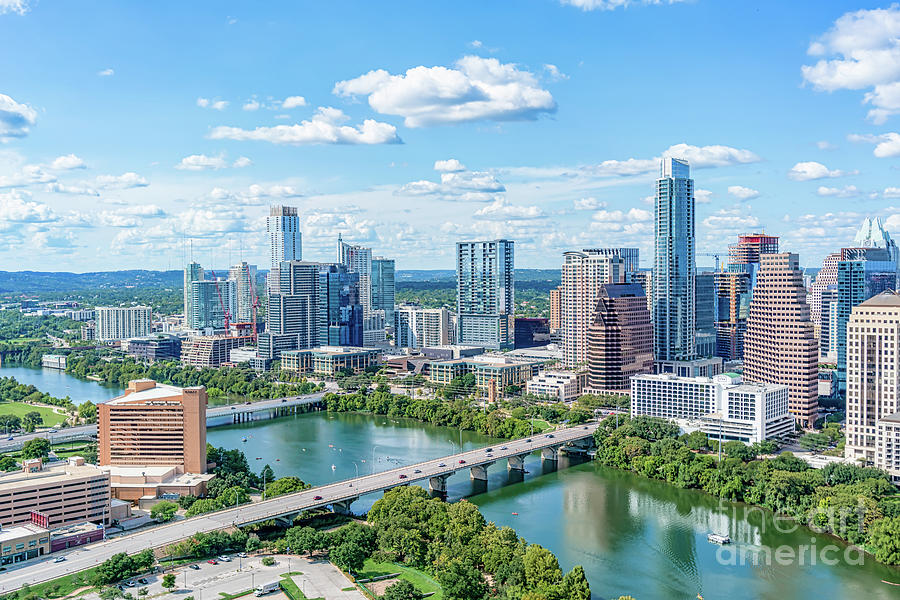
point(127, 128)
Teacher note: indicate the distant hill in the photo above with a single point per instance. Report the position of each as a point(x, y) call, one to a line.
point(32, 282)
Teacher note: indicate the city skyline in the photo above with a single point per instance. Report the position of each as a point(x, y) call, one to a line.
point(170, 146)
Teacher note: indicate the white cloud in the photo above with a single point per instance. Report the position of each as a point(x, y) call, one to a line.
point(116, 219)
point(589, 204)
point(474, 89)
point(451, 165)
point(15, 119)
point(251, 105)
point(702, 157)
point(324, 128)
point(742, 193)
point(28, 175)
point(501, 210)
point(848, 191)
point(861, 50)
point(886, 144)
point(615, 216)
point(19, 7)
point(54, 240)
point(554, 73)
point(143, 210)
point(213, 104)
point(825, 145)
point(16, 206)
point(123, 181)
point(700, 196)
point(241, 162)
point(106, 73)
point(78, 190)
point(201, 162)
point(891, 192)
point(293, 102)
point(807, 171)
point(731, 219)
point(587, 5)
point(68, 161)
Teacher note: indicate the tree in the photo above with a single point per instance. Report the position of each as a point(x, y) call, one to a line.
point(32, 420)
point(267, 561)
point(541, 568)
point(111, 592)
point(10, 422)
point(36, 448)
point(884, 536)
point(203, 505)
point(735, 449)
point(575, 585)
point(349, 556)
point(87, 412)
point(8, 463)
point(267, 474)
point(285, 485)
point(402, 590)
point(305, 539)
point(168, 581)
point(163, 511)
point(696, 440)
point(461, 581)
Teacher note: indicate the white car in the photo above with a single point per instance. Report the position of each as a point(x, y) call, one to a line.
point(59, 559)
point(224, 558)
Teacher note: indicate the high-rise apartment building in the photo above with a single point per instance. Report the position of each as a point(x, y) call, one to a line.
point(583, 275)
point(705, 301)
point(556, 309)
point(340, 311)
point(485, 293)
point(192, 272)
point(416, 327)
point(828, 317)
point(645, 280)
point(154, 424)
point(383, 287)
point(674, 312)
point(630, 257)
point(620, 339)
point(285, 242)
point(210, 300)
point(780, 346)
point(244, 277)
point(292, 319)
point(873, 390)
point(825, 278)
point(120, 323)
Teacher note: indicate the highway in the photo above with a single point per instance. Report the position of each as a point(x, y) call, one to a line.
point(82, 432)
point(318, 497)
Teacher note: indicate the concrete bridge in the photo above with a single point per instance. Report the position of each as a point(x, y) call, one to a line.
point(338, 496)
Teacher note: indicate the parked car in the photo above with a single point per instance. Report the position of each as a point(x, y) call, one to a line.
point(143, 580)
point(59, 559)
point(213, 561)
point(242, 554)
point(130, 584)
point(195, 567)
point(224, 558)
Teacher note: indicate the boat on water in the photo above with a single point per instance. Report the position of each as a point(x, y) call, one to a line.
point(333, 468)
point(718, 538)
point(243, 439)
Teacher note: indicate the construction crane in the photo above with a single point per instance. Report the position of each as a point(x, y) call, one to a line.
point(715, 254)
point(225, 311)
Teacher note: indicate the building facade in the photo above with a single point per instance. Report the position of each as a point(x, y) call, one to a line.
point(781, 346)
point(561, 386)
point(210, 301)
point(384, 287)
point(674, 313)
point(192, 272)
point(555, 309)
point(416, 327)
point(531, 332)
point(285, 242)
point(620, 339)
point(485, 293)
point(244, 277)
point(120, 323)
point(328, 361)
point(211, 351)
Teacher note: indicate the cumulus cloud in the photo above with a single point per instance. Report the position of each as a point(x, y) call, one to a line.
point(554, 73)
point(15, 119)
point(293, 102)
point(742, 193)
point(891, 192)
point(213, 104)
point(68, 161)
point(700, 196)
point(323, 128)
point(589, 204)
point(28, 175)
point(201, 162)
point(702, 157)
point(807, 171)
point(861, 51)
point(731, 219)
point(251, 105)
point(123, 181)
point(78, 190)
point(886, 144)
point(474, 89)
point(18, 7)
point(825, 145)
point(106, 73)
point(501, 210)
point(451, 165)
point(587, 5)
point(241, 162)
point(16, 206)
point(456, 183)
point(848, 191)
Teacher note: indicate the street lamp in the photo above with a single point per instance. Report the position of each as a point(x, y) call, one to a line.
point(373, 458)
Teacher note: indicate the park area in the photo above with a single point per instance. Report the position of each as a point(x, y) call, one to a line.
point(379, 572)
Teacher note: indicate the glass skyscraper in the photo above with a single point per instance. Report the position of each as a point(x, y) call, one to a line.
point(674, 313)
point(339, 307)
point(485, 294)
point(383, 287)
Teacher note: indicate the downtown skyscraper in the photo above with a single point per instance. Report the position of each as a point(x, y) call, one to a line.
point(285, 243)
point(674, 313)
point(485, 293)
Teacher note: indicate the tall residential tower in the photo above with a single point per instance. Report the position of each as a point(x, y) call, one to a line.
point(485, 293)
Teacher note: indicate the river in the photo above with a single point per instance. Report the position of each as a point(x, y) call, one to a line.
point(632, 535)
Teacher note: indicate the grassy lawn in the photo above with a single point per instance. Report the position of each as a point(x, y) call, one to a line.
point(63, 586)
point(291, 590)
point(51, 419)
point(227, 596)
point(540, 425)
point(422, 581)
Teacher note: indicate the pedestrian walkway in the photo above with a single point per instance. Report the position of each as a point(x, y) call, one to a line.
point(321, 579)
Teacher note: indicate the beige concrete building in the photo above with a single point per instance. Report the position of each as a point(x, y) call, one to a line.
point(151, 482)
point(780, 345)
point(120, 323)
point(70, 492)
point(620, 338)
point(153, 424)
point(555, 317)
point(24, 542)
point(873, 365)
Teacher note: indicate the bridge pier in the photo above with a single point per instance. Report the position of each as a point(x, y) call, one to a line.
point(516, 462)
point(551, 452)
point(343, 507)
point(438, 484)
point(479, 471)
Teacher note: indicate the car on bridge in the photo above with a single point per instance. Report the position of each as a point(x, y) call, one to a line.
point(317, 497)
point(417, 471)
point(462, 462)
point(442, 465)
point(402, 476)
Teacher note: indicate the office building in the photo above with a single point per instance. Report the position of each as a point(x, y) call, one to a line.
point(374, 328)
point(339, 307)
point(23, 542)
point(383, 287)
point(155, 348)
point(698, 367)
point(555, 309)
point(152, 424)
point(705, 301)
point(724, 407)
point(292, 312)
point(583, 274)
point(828, 323)
point(485, 293)
point(560, 386)
point(211, 301)
point(357, 259)
point(645, 280)
point(244, 277)
point(416, 327)
point(120, 323)
point(493, 373)
point(65, 493)
point(674, 311)
point(192, 272)
point(780, 346)
point(630, 259)
point(211, 351)
point(826, 278)
point(285, 242)
point(329, 360)
point(873, 392)
point(531, 332)
point(620, 339)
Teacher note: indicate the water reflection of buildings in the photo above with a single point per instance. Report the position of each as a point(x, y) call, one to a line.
point(727, 518)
